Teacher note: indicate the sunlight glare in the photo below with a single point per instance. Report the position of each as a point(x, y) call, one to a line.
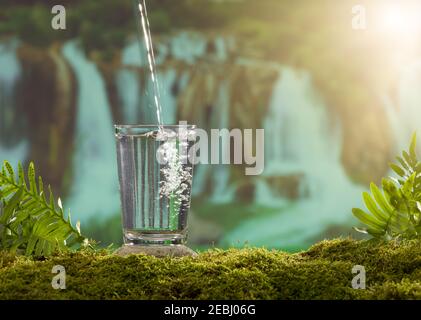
point(399, 20)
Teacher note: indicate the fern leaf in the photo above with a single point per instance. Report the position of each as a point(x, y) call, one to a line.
point(40, 185)
point(412, 148)
point(395, 211)
point(380, 199)
point(31, 176)
point(372, 207)
point(403, 163)
point(397, 169)
point(21, 174)
point(10, 207)
point(19, 218)
point(28, 221)
point(16, 245)
point(369, 220)
point(408, 159)
point(52, 206)
point(10, 170)
point(407, 187)
point(29, 203)
point(31, 245)
point(39, 246)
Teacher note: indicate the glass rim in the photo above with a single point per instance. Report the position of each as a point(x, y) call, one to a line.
point(140, 126)
point(139, 129)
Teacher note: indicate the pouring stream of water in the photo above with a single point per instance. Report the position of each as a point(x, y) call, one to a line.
point(151, 59)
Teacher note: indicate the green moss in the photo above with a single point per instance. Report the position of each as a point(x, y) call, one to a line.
point(323, 272)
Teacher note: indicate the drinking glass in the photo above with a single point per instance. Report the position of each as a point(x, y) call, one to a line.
point(155, 167)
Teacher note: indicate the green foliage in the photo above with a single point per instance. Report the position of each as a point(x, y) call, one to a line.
point(29, 223)
point(322, 272)
point(395, 212)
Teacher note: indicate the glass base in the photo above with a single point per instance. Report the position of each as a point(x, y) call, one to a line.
point(159, 251)
point(135, 237)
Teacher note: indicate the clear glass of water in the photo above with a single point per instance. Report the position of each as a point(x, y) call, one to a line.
point(155, 166)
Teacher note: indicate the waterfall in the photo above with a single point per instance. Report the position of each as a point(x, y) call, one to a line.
point(127, 82)
point(301, 138)
point(94, 193)
point(12, 148)
point(187, 47)
point(128, 90)
point(221, 192)
point(221, 48)
point(303, 130)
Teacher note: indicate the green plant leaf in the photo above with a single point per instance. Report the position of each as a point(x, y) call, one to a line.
point(10, 170)
point(397, 169)
point(31, 176)
point(11, 206)
point(380, 199)
point(407, 187)
point(372, 207)
point(403, 163)
point(21, 174)
point(28, 221)
point(395, 211)
point(368, 219)
point(408, 159)
point(412, 148)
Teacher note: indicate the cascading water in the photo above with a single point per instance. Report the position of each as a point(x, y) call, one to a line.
point(94, 193)
point(187, 47)
point(10, 72)
point(127, 82)
point(220, 44)
point(301, 140)
point(308, 147)
point(221, 193)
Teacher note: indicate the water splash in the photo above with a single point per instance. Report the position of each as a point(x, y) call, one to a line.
point(177, 177)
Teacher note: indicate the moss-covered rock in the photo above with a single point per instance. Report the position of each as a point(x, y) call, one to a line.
point(323, 272)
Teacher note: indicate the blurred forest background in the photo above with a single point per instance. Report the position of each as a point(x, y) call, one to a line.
point(336, 104)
